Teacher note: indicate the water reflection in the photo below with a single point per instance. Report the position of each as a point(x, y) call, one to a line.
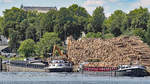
point(66, 78)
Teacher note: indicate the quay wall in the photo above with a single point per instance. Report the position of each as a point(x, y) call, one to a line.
point(11, 68)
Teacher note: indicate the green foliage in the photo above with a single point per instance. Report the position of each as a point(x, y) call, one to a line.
point(45, 45)
point(11, 26)
point(135, 32)
point(71, 21)
point(12, 58)
point(108, 36)
point(27, 48)
point(147, 34)
point(138, 18)
point(47, 21)
point(96, 21)
point(140, 32)
point(12, 17)
point(78, 11)
point(94, 35)
point(19, 25)
point(1, 21)
point(31, 32)
point(116, 23)
point(14, 43)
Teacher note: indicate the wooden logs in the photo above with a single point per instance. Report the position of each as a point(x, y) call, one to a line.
point(112, 52)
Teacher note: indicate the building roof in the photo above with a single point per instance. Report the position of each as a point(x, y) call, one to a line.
point(37, 8)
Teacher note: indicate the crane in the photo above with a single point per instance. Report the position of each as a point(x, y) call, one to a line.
point(65, 56)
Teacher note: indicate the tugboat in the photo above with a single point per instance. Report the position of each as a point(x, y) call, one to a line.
point(60, 66)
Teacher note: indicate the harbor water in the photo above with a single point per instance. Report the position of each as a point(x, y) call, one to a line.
point(66, 78)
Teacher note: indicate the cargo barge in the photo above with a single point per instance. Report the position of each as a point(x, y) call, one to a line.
point(132, 70)
point(59, 66)
point(123, 70)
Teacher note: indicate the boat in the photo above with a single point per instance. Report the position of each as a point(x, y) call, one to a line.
point(100, 71)
point(132, 70)
point(60, 66)
point(122, 70)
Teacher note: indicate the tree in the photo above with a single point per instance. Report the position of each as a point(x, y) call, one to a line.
point(1, 23)
point(21, 28)
point(27, 48)
point(117, 22)
point(94, 35)
point(47, 21)
point(12, 17)
point(80, 20)
point(138, 18)
point(78, 11)
point(96, 21)
point(71, 21)
point(14, 42)
point(62, 18)
point(46, 43)
point(11, 26)
point(147, 34)
point(136, 32)
point(31, 32)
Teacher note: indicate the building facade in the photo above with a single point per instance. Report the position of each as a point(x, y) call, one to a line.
point(38, 8)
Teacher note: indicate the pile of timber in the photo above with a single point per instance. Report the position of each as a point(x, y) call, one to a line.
point(112, 52)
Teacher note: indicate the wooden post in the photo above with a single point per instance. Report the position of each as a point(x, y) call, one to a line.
point(1, 67)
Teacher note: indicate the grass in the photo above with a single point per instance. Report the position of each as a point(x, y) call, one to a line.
point(12, 58)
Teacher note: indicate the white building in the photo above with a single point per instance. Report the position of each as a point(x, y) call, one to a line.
point(3, 40)
point(38, 8)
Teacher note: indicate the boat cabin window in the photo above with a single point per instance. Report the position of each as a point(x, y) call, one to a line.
point(58, 61)
point(124, 66)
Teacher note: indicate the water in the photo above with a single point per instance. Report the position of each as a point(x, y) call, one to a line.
point(66, 78)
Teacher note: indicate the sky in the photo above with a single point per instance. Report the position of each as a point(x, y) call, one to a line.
point(109, 5)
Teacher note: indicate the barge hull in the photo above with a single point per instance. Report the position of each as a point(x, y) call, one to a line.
point(134, 73)
point(104, 71)
point(61, 70)
point(116, 73)
point(131, 73)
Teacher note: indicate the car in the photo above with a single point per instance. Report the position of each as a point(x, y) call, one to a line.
point(8, 55)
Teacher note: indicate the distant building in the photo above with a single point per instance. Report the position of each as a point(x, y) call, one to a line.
point(38, 8)
point(3, 43)
point(3, 40)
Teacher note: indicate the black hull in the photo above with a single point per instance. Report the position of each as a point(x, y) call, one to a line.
point(134, 73)
point(131, 73)
point(112, 73)
point(60, 70)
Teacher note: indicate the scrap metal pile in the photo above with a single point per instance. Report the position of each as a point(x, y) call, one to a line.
point(111, 52)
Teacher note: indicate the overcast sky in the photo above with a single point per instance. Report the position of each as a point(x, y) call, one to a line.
point(90, 5)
